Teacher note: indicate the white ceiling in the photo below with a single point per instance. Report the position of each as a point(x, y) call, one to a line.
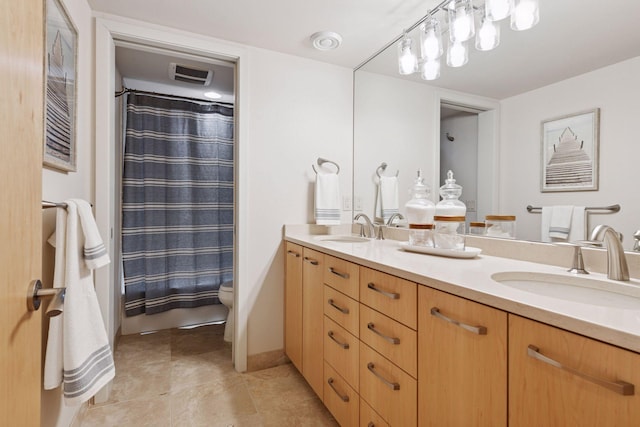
point(573, 36)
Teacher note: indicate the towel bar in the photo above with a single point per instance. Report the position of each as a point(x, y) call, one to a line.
point(322, 161)
point(604, 209)
point(36, 292)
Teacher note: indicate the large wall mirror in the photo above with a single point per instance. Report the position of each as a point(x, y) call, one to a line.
point(484, 120)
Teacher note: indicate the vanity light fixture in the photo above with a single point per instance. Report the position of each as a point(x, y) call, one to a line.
point(326, 40)
point(461, 27)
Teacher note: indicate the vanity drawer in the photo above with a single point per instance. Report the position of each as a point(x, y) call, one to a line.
point(393, 296)
point(342, 309)
point(369, 417)
point(387, 388)
point(341, 400)
point(393, 340)
point(342, 275)
point(341, 351)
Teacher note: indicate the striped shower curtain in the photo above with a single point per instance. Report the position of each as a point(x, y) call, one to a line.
point(177, 207)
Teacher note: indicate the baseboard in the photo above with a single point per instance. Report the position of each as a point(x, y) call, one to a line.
point(269, 359)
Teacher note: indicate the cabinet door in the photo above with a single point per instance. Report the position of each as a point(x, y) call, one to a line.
point(389, 295)
point(462, 363)
point(341, 400)
point(558, 378)
point(312, 318)
point(293, 304)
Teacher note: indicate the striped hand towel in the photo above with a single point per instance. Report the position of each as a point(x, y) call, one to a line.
point(327, 199)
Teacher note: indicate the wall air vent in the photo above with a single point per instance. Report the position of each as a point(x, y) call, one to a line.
point(189, 74)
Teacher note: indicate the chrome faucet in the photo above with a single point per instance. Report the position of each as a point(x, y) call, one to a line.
point(617, 268)
point(393, 217)
point(368, 223)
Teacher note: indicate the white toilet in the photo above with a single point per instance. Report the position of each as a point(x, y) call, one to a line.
point(225, 294)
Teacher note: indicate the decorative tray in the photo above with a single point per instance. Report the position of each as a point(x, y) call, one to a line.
point(468, 251)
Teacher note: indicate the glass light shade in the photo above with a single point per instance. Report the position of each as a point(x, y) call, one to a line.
point(431, 69)
point(461, 20)
point(498, 9)
point(457, 54)
point(488, 35)
point(431, 39)
point(525, 14)
point(407, 60)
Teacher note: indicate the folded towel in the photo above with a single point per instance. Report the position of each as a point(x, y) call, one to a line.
point(560, 223)
point(327, 199)
point(387, 198)
point(563, 223)
point(87, 362)
point(578, 224)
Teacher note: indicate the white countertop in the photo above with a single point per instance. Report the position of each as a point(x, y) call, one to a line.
point(471, 279)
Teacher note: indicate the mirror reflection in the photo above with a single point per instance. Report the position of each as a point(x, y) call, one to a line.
point(483, 120)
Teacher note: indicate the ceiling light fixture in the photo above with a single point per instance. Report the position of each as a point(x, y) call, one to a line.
point(461, 27)
point(326, 40)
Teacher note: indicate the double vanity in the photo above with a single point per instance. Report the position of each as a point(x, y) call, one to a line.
point(388, 337)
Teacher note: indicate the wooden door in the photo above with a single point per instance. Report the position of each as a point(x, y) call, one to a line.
point(293, 304)
point(312, 319)
point(21, 118)
point(462, 364)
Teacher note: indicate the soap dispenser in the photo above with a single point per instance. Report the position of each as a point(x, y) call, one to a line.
point(450, 192)
point(419, 211)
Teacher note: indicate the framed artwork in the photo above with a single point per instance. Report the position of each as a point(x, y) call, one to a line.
point(60, 100)
point(570, 147)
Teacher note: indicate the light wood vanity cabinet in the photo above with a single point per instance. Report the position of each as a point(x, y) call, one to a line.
point(312, 319)
point(462, 348)
point(588, 391)
point(384, 351)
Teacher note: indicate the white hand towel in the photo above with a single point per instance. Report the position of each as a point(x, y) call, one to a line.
point(53, 363)
point(560, 224)
point(578, 224)
point(95, 254)
point(87, 359)
point(388, 196)
point(327, 199)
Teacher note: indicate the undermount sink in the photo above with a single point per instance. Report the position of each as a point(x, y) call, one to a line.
point(342, 238)
point(578, 289)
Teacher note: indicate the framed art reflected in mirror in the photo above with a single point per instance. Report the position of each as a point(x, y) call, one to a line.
point(60, 99)
point(570, 147)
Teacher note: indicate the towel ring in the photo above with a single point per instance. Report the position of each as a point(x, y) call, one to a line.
point(382, 168)
point(322, 161)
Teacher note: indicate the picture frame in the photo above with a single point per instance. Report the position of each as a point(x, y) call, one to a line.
point(570, 147)
point(61, 48)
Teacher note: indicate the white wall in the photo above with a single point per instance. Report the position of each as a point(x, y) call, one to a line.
point(393, 123)
point(58, 185)
point(299, 110)
point(615, 90)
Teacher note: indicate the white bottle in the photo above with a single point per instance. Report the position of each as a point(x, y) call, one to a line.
point(419, 212)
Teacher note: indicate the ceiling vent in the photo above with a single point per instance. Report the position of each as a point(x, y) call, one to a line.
point(188, 74)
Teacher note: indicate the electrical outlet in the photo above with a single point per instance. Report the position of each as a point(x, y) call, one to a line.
point(358, 203)
point(471, 205)
point(346, 203)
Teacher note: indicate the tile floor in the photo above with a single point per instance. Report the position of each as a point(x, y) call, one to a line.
point(185, 378)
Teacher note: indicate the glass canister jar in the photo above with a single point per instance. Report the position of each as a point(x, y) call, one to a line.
point(477, 228)
point(419, 212)
point(503, 226)
point(450, 193)
point(448, 232)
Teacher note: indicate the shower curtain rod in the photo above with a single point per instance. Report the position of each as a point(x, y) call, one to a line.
point(164, 95)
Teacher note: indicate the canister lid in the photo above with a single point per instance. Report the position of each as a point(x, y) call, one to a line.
point(500, 217)
point(449, 218)
point(477, 224)
point(421, 226)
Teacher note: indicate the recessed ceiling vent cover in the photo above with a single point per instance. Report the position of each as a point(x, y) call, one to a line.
point(188, 74)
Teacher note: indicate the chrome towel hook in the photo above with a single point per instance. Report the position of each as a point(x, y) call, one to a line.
point(35, 293)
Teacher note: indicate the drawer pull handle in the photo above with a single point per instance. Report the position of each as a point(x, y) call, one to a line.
point(373, 329)
point(344, 345)
point(344, 398)
point(392, 386)
point(311, 260)
point(337, 273)
point(295, 254)
point(371, 424)
point(620, 387)
point(480, 330)
point(391, 295)
point(337, 307)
